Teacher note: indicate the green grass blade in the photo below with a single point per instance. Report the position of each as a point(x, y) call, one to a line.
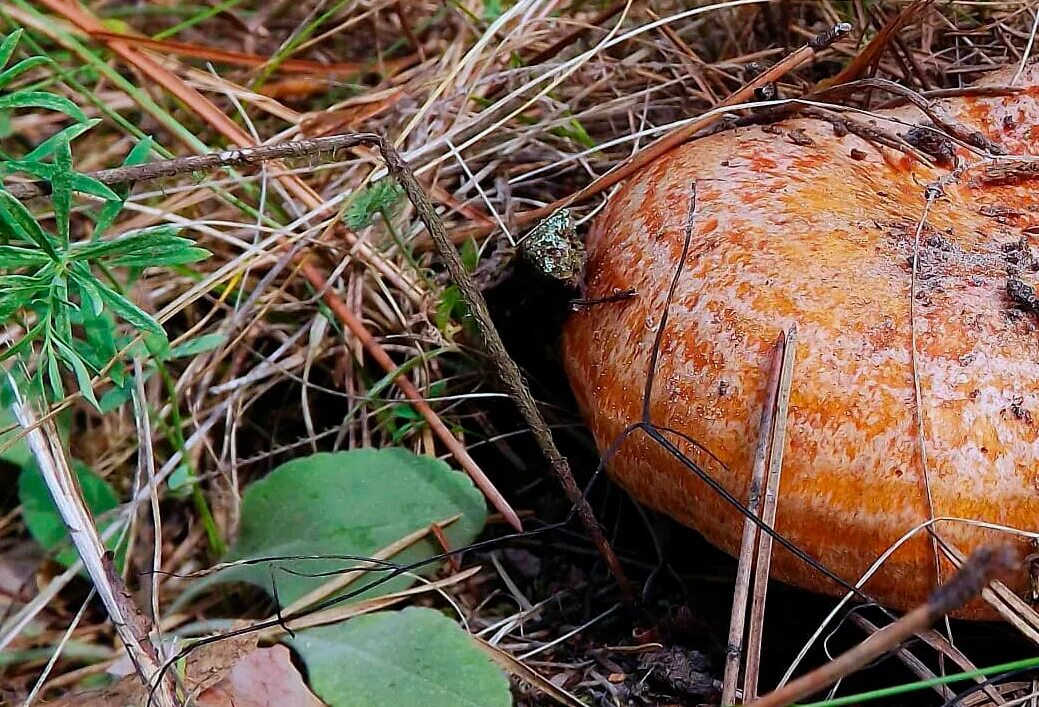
point(925, 684)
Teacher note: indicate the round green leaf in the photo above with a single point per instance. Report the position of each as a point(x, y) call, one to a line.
point(412, 658)
point(349, 503)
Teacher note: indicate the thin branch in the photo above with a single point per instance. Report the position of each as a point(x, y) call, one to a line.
point(943, 121)
point(508, 372)
point(201, 163)
point(741, 594)
point(768, 515)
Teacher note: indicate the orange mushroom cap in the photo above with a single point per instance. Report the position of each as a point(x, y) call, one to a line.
point(797, 225)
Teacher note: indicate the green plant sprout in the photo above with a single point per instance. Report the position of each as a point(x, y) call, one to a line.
point(62, 292)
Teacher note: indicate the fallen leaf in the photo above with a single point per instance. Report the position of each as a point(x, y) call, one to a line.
point(208, 665)
point(264, 678)
point(205, 667)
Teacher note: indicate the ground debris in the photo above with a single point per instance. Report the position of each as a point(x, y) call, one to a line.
point(685, 671)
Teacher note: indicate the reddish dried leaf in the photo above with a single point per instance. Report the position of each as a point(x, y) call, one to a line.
point(264, 678)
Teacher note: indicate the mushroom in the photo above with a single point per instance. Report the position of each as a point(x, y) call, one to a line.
point(804, 223)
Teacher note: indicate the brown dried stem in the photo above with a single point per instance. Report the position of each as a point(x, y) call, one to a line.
point(763, 558)
point(508, 372)
point(200, 163)
point(741, 594)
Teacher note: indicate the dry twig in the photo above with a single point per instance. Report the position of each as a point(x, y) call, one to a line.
point(508, 372)
point(767, 459)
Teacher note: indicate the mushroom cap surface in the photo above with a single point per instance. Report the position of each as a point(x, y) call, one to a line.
point(797, 225)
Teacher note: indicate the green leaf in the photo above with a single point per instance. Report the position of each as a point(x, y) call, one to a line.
point(193, 347)
point(412, 658)
point(129, 312)
point(154, 246)
point(129, 243)
point(46, 148)
point(21, 67)
point(61, 308)
point(492, 10)
point(470, 254)
point(41, 99)
point(450, 306)
point(20, 291)
point(54, 376)
point(107, 214)
point(85, 184)
point(61, 188)
point(23, 225)
point(88, 289)
point(114, 397)
point(34, 168)
point(43, 520)
point(181, 481)
point(179, 256)
point(8, 46)
point(79, 369)
point(23, 344)
point(350, 503)
point(12, 257)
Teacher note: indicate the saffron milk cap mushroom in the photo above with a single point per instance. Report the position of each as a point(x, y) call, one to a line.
point(802, 223)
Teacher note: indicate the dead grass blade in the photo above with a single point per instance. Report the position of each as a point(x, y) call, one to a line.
point(677, 136)
point(768, 515)
point(343, 612)
point(871, 53)
point(224, 56)
point(342, 581)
